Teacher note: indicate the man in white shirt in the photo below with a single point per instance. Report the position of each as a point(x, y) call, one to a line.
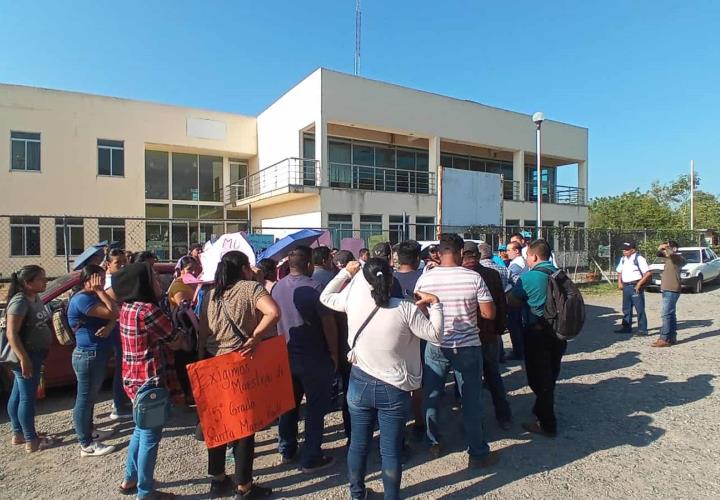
point(464, 295)
point(516, 268)
point(633, 274)
point(524, 239)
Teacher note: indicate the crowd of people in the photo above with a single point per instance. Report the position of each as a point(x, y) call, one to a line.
point(390, 326)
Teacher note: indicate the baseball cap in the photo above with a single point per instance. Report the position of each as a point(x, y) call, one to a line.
point(502, 248)
point(485, 251)
point(470, 247)
point(629, 245)
point(382, 250)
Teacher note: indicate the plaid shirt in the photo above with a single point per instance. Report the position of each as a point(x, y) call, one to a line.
point(504, 273)
point(145, 331)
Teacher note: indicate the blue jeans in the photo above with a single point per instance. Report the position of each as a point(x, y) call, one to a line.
point(668, 331)
point(312, 377)
point(466, 362)
point(21, 404)
point(368, 399)
point(90, 365)
point(636, 300)
point(121, 402)
point(141, 458)
point(491, 375)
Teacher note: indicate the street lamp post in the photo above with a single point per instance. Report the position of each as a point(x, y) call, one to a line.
point(538, 118)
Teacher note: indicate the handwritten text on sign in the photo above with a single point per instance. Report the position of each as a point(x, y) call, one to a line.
point(237, 396)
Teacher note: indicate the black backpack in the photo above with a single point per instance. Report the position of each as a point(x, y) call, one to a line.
point(564, 305)
point(184, 320)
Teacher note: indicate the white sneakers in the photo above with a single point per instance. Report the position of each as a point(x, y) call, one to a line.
point(120, 416)
point(96, 449)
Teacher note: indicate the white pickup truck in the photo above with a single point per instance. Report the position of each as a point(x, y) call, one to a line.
point(702, 266)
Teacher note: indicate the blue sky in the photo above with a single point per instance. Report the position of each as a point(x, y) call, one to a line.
point(642, 75)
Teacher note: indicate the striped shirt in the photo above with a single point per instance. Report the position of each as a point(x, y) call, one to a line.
point(460, 291)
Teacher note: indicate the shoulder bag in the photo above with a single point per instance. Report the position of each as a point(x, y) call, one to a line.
point(236, 329)
point(351, 355)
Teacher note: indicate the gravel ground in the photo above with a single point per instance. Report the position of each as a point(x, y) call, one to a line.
point(635, 422)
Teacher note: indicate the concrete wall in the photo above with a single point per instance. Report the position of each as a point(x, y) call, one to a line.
point(516, 210)
point(71, 123)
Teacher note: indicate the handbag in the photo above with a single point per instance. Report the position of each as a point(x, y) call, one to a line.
point(8, 358)
point(351, 355)
point(151, 407)
point(236, 329)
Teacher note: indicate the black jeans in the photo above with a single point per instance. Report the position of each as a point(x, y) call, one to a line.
point(182, 359)
point(244, 456)
point(543, 353)
point(344, 368)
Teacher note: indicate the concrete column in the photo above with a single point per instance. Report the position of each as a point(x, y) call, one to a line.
point(434, 157)
point(321, 152)
point(519, 172)
point(582, 178)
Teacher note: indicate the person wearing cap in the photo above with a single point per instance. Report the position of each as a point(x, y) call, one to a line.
point(491, 330)
point(501, 258)
point(633, 275)
point(670, 286)
point(382, 251)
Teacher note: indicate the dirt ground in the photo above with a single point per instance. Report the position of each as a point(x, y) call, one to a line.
point(635, 422)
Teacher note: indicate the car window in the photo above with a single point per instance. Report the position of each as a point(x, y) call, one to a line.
point(659, 260)
point(712, 254)
point(706, 256)
point(691, 256)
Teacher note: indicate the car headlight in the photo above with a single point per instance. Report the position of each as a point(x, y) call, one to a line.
point(685, 274)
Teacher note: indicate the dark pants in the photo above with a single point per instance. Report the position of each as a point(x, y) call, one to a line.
point(491, 375)
point(515, 326)
point(244, 451)
point(182, 359)
point(631, 300)
point(344, 368)
point(543, 353)
point(312, 378)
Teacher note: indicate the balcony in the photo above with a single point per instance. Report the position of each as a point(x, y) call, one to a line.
point(287, 176)
point(348, 176)
point(561, 195)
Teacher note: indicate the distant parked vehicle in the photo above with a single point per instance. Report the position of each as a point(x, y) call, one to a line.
point(702, 266)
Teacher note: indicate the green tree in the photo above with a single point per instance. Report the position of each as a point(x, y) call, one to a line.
point(674, 193)
point(630, 210)
point(707, 211)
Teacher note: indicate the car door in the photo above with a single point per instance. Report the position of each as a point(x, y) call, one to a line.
point(709, 266)
point(715, 262)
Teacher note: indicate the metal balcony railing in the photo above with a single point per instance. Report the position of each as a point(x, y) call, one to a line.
point(348, 176)
point(285, 173)
point(561, 195)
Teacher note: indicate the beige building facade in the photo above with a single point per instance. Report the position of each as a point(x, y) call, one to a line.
point(357, 156)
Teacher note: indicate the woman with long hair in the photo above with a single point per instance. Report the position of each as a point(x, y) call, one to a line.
point(121, 410)
point(29, 336)
point(239, 300)
point(384, 336)
point(147, 337)
point(92, 315)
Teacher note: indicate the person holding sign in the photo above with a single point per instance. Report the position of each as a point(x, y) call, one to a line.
point(311, 335)
point(384, 335)
point(147, 338)
point(235, 316)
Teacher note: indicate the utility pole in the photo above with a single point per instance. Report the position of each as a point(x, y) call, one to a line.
point(538, 118)
point(692, 195)
point(358, 26)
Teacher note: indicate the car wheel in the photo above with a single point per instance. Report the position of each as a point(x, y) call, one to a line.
point(698, 284)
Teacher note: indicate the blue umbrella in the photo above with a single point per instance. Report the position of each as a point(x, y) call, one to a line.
point(284, 246)
point(91, 251)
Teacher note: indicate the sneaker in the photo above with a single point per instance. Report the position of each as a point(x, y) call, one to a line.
point(96, 449)
point(102, 434)
point(487, 461)
point(322, 463)
point(121, 415)
point(222, 488)
point(255, 491)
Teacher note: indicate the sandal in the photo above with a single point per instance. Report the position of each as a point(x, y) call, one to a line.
point(19, 439)
point(39, 443)
point(127, 490)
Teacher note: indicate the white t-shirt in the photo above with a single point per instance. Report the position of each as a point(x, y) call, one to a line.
point(389, 346)
point(516, 268)
point(631, 272)
point(460, 290)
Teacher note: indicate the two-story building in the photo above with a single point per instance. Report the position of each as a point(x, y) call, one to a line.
point(336, 151)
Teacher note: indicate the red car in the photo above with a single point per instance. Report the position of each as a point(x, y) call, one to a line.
point(58, 369)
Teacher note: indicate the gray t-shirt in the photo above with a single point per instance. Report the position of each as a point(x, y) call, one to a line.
point(35, 333)
point(322, 276)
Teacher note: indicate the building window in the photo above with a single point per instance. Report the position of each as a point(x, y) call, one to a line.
point(197, 177)
point(210, 178)
point(580, 235)
point(425, 228)
point(75, 236)
point(157, 211)
point(548, 178)
point(112, 230)
point(340, 226)
point(399, 231)
point(156, 175)
point(25, 151)
point(370, 225)
point(111, 157)
point(24, 236)
point(157, 238)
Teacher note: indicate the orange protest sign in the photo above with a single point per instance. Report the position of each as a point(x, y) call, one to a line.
point(237, 396)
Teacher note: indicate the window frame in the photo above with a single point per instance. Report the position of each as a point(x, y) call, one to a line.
point(113, 224)
point(24, 225)
point(73, 224)
point(26, 140)
point(111, 148)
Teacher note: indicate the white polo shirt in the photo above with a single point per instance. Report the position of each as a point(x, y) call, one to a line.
point(631, 272)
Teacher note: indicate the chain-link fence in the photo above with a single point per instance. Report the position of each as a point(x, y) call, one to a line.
point(55, 241)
